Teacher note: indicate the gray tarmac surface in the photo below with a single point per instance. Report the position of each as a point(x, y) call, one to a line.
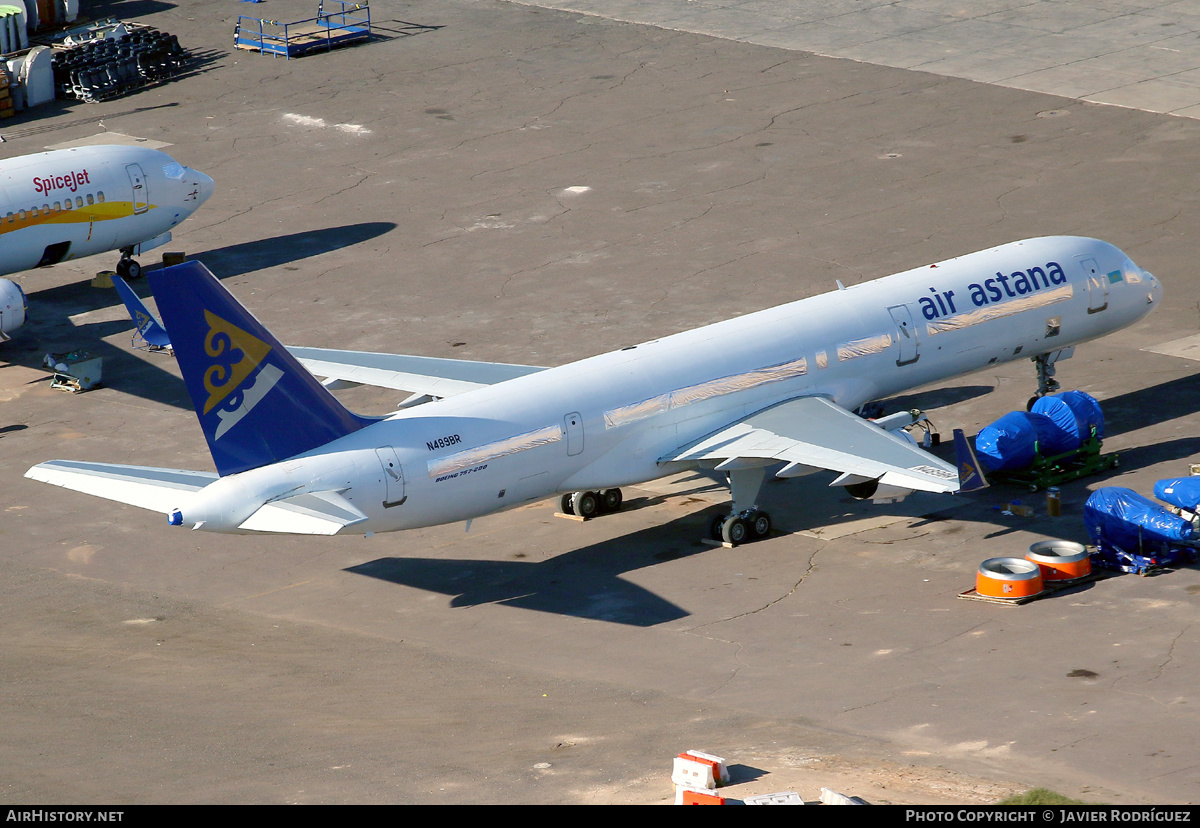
point(495, 181)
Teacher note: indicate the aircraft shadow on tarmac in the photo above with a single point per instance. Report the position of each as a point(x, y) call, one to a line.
point(1166, 451)
point(249, 256)
point(50, 328)
point(1151, 406)
point(582, 583)
point(586, 582)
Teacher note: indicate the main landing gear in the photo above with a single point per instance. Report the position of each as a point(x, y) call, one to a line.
point(590, 504)
point(745, 521)
point(128, 267)
point(752, 524)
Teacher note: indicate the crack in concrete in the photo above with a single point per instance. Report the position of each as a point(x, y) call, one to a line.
point(809, 569)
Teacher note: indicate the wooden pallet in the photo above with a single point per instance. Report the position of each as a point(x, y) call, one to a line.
point(6, 102)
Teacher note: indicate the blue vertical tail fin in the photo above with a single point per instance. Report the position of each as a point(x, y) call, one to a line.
point(970, 473)
point(149, 329)
point(256, 404)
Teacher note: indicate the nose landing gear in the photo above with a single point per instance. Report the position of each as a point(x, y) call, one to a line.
point(128, 267)
point(1044, 363)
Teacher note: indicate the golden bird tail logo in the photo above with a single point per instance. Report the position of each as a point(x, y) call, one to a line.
point(142, 319)
point(222, 342)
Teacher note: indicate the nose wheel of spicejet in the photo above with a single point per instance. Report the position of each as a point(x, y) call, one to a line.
point(590, 504)
point(128, 267)
point(734, 529)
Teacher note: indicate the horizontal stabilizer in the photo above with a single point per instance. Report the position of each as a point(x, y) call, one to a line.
point(434, 376)
point(815, 431)
point(160, 490)
point(316, 513)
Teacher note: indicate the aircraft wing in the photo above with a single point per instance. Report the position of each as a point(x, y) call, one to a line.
point(158, 489)
point(423, 375)
point(815, 431)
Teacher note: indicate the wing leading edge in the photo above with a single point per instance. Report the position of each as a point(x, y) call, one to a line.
point(433, 376)
point(816, 432)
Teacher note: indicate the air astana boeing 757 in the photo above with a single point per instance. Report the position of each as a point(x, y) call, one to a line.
point(772, 390)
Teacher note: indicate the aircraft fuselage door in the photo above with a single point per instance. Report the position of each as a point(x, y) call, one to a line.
point(393, 476)
point(137, 180)
point(1097, 286)
point(573, 427)
point(906, 333)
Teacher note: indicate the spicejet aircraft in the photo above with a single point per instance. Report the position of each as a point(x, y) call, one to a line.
point(771, 389)
point(67, 204)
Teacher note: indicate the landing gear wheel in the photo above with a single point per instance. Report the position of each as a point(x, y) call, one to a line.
point(128, 268)
point(585, 504)
point(734, 531)
point(715, 527)
point(610, 500)
point(564, 503)
point(760, 524)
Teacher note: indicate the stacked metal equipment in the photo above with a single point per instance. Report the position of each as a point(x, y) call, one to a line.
point(98, 70)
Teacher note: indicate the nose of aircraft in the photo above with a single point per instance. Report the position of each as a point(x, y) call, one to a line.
point(207, 185)
point(1156, 289)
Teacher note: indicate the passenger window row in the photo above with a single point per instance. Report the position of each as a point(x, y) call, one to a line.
point(58, 207)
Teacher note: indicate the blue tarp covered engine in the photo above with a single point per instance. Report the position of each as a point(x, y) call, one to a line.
point(1183, 492)
point(1074, 414)
point(1010, 443)
point(1128, 520)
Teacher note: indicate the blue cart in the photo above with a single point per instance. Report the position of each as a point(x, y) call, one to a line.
point(336, 24)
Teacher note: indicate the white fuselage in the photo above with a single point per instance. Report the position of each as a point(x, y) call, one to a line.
point(608, 421)
point(66, 204)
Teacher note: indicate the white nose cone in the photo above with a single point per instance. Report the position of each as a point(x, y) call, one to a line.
point(207, 185)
